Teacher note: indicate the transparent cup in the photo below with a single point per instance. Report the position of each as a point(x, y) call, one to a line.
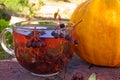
point(37, 49)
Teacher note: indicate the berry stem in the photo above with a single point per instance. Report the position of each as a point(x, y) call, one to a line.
point(35, 35)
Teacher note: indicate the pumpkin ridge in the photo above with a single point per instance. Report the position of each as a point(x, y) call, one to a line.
point(99, 32)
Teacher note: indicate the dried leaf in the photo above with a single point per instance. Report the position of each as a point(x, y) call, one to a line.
point(92, 77)
point(59, 17)
point(56, 14)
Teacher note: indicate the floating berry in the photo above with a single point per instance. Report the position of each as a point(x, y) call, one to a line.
point(34, 44)
point(75, 41)
point(42, 32)
point(38, 44)
point(35, 40)
point(62, 25)
point(28, 45)
point(67, 37)
point(61, 35)
point(56, 35)
point(53, 33)
point(43, 43)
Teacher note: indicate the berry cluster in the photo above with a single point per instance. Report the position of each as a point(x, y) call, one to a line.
point(67, 37)
point(42, 32)
point(59, 31)
point(35, 41)
point(62, 31)
point(35, 44)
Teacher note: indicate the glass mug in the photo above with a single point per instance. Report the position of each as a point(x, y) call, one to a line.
point(38, 48)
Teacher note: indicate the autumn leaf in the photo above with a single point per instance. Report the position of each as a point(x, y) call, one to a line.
point(59, 17)
point(56, 14)
point(92, 77)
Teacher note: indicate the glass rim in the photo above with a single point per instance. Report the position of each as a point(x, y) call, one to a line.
point(44, 23)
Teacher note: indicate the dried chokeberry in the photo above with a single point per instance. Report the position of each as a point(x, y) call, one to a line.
point(62, 25)
point(38, 44)
point(30, 35)
point(35, 41)
point(42, 32)
point(75, 41)
point(67, 37)
point(61, 35)
point(28, 45)
point(34, 44)
point(43, 43)
point(56, 35)
point(53, 33)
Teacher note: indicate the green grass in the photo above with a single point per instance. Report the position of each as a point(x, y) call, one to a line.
point(22, 6)
point(3, 54)
point(3, 25)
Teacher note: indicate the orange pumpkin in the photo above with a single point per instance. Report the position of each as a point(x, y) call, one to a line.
point(99, 32)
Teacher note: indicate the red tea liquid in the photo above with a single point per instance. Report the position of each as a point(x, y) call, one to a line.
point(47, 59)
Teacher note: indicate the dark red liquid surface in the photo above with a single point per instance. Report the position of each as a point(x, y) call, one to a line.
point(48, 59)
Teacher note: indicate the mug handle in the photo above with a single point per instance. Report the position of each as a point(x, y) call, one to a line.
point(3, 41)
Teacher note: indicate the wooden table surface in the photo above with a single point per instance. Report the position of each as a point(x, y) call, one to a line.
point(11, 70)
